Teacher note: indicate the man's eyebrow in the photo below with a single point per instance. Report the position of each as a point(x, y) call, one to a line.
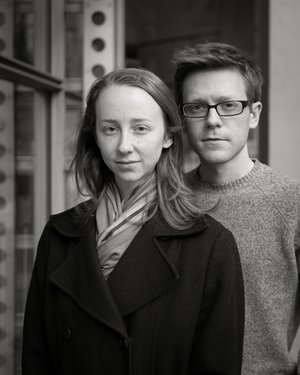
point(219, 99)
point(196, 100)
point(225, 98)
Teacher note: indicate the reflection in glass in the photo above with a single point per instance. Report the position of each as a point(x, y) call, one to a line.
point(24, 258)
point(24, 203)
point(24, 30)
point(74, 42)
point(24, 124)
point(24, 209)
point(73, 118)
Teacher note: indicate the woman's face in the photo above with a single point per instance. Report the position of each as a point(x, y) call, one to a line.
point(130, 132)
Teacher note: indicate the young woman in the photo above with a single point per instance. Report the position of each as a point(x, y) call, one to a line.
point(134, 280)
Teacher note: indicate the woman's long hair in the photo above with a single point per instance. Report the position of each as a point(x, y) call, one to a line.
point(175, 200)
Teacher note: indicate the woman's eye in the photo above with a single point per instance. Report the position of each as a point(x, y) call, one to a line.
point(109, 130)
point(141, 129)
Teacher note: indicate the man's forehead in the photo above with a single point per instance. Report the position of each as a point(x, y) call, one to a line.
point(222, 83)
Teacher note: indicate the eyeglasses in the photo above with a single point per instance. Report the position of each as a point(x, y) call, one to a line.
point(224, 109)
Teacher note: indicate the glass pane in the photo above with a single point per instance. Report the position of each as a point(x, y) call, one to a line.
point(74, 109)
point(24, 31)
point(73, 99)
point(24, 124)
point(24, 168)
point(21, 186)
point(24, 209)
point(24, 257)
point(74, 39)
point(73, 118)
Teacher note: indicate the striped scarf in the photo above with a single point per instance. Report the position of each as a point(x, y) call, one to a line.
point(119, 222)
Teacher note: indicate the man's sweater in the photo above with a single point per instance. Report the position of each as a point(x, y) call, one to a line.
point(262, 209)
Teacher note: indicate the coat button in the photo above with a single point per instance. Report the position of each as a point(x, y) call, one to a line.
point(67, 333)
point(124, 344)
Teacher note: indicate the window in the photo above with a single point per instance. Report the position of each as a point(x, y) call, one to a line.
point(31, 114)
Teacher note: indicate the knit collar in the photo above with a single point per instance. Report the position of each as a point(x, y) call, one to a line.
point(195, 179)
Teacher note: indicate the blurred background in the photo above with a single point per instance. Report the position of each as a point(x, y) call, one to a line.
point(50, 53)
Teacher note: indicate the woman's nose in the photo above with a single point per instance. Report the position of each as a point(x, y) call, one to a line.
point(125, 144)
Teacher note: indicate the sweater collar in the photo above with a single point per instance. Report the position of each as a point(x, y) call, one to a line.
point(195, 180)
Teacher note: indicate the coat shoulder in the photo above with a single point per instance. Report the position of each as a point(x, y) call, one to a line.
point(216, 226)
point(71, 222)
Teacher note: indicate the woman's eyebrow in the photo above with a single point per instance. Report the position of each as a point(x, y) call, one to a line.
point(108, 120)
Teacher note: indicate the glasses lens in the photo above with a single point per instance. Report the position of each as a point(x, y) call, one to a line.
point(230, 108)
point(195, 110)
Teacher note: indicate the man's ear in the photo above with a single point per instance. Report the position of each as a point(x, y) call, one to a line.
point(256, 108)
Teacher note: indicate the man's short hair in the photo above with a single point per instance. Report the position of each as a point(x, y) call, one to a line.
point(212, 55)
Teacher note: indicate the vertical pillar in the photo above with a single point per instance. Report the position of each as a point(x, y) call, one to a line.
point(57, 121)
point(103, 42)
point(284, 86)
point(284, 94)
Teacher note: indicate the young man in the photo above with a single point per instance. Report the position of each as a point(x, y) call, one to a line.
point(218, 89)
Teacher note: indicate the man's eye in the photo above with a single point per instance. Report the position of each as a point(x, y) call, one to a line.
point(197, 107)
point(228, 105)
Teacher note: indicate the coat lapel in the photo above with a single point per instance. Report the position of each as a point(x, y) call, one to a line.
point(148, 267)
point(146, 270)
point(80, 277)
point(142, 274)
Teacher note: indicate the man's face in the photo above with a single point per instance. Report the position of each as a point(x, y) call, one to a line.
point(217, 139)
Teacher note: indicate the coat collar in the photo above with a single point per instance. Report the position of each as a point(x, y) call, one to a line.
point(71, 225)
point(146, 270)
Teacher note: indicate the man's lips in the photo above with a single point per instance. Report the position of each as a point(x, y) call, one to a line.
point(213, 139)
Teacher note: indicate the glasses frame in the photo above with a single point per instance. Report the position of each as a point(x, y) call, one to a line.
point(244, 103)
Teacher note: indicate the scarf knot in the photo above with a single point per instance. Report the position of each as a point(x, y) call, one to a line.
point(118, 222)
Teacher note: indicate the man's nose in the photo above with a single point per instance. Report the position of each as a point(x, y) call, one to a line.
point(213, 118)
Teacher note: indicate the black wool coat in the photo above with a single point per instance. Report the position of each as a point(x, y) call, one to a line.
point(173, 305)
